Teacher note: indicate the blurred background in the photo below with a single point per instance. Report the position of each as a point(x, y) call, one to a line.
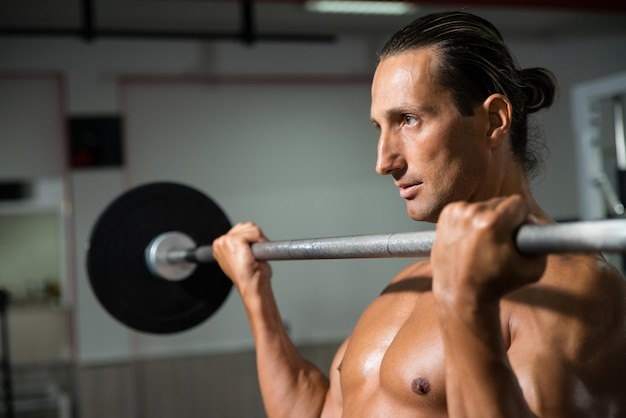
point(264, 106)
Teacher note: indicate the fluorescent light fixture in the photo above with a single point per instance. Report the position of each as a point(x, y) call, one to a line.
point(361, 7)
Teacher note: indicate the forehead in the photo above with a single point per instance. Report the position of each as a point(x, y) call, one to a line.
point(412, 66)
point(406, 77)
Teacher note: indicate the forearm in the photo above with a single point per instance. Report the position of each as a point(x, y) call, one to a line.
point(479, 380)
point(290, 385)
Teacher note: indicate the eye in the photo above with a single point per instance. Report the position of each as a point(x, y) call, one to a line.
point(409, 120)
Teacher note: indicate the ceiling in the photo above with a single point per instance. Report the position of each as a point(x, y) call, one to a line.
point(286, 20)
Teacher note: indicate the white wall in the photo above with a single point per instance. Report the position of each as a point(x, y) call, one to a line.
point(270, 151)
point(93, 72)
point(30, 128)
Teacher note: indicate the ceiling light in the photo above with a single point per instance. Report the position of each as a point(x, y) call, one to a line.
point(361, 7)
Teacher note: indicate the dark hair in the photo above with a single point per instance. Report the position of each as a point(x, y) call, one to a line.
point(473, 63)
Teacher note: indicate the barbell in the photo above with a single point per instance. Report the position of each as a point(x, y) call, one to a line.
point(150, 263)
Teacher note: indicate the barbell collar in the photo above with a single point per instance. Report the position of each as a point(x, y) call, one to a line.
point(165, 256)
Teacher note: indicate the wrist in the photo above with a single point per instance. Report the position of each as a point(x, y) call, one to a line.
point(465, 301)
point(468, 319)
point(255, 293)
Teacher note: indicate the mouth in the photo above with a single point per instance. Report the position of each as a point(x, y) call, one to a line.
point(408, 191)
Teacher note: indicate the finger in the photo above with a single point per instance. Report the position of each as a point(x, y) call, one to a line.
point(247, 231)
point(453, 212)
point(242, 226)
point(512, 211)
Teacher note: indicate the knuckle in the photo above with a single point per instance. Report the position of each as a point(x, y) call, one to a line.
point(454, 210)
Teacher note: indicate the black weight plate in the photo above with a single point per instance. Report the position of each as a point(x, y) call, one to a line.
point(116, 263)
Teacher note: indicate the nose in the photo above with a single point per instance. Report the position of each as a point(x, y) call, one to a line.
point(389, 157)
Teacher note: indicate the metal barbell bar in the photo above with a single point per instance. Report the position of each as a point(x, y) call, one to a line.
point(173, 255)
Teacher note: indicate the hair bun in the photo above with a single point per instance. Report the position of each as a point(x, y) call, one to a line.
point(540, 86)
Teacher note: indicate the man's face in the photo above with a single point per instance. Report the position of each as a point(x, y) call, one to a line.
point(434, 154)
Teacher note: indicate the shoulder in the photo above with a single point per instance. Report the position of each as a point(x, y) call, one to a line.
point(415, 276)
point(581, 287)
point(573, 285)
point(580, 298)
point(567, 335)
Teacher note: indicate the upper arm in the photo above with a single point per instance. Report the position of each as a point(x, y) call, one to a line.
point(333, 405)
point(546, 380)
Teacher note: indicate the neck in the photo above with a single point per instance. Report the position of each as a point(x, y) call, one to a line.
point(513, 182)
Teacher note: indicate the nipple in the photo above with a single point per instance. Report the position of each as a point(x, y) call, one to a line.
point(420, 385)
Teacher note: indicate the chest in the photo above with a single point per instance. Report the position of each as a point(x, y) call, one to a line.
point(395, 354)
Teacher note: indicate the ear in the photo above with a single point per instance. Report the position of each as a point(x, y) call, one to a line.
point(500, 112)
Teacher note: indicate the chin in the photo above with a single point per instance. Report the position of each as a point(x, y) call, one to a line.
point(420, 214)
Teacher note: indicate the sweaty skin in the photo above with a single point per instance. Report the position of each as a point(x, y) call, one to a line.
point(477, 330)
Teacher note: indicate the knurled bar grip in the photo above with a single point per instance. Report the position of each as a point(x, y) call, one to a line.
point(585, 236)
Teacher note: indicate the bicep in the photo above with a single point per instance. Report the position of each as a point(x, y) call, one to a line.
point(551, 385)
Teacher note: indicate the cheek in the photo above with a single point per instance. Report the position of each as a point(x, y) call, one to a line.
point(435, 156)
point(446, 150)
point(455, 166)
point(467, 145)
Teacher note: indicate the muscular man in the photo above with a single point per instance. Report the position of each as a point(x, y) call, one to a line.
point(478, 330)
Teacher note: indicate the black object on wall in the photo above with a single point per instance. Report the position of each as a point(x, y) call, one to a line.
point(14, 190)
point(95, 141)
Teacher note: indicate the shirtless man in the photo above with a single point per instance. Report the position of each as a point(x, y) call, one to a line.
point(478, 330)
